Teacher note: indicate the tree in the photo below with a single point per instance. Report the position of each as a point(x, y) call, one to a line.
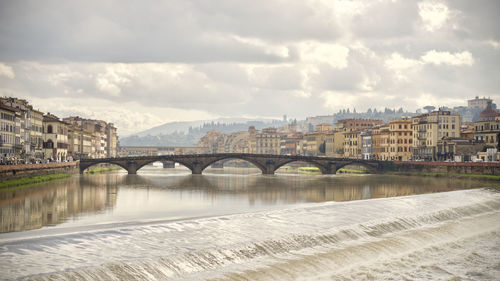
point(322, 147)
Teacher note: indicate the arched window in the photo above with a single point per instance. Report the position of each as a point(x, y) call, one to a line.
point(48, 144)
point(49, 129)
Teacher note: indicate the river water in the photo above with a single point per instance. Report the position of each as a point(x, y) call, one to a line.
point(235, 224)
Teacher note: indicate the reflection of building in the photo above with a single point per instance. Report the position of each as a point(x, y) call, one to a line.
point(27, 209)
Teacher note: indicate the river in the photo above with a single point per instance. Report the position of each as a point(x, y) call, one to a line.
point(236, 224)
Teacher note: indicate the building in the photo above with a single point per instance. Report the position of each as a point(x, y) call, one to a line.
point(268, 141)
point(289, 144)
point(487, 129)
point(22, 147)
point(55, 138)
point(112, 140)
point(479, 102)
point(314, 143)
point(349, 125)
point(7, 133)
point(103, 136)
point(457, 149)
point(125, 151)
point(366, 145)
point(324, 128)
point(211, 140)
point(400, 140)
point(431, 127)
point(36, 134)
point(380, 142)
point(352, 144)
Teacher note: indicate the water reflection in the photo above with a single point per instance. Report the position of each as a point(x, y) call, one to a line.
point(300, 188)
point(175, 193)
point(53, 203)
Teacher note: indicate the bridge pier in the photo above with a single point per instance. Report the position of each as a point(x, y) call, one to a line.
point(132, 168)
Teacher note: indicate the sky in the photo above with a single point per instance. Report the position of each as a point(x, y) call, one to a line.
point(140, 64)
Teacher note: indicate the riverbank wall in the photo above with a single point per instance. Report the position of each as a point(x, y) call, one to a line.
point(8, 172)
point(447, 167)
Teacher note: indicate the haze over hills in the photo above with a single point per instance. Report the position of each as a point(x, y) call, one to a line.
point(189, 133)
point(184, 126)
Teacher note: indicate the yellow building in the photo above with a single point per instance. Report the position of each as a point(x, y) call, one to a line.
point(314, 144)
point(352, 144)
point(268, 141)
point(350, 125)
point(431, 127)
point(400, 139)
point(323, 128)
point(380, 142)
point(55, 138)
point(487, 129)
point(36, 134)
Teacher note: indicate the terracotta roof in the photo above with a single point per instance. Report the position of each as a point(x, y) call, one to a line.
point(489, 113)
point(6, 107)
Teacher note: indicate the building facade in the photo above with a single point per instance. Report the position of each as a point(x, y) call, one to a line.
point(268, 141)
point(400, 140)
point(55, 138)
point(366, 145)
point(7, 134)
point(431, 127)
point(487, 129)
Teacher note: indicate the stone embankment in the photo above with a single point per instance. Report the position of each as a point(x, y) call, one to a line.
point(33, 170)
point(489, 168)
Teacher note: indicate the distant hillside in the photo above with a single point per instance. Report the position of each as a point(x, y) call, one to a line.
point(189, 133)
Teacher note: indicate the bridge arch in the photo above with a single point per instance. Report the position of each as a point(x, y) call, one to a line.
point(85, 167)
point(253, 161)
point(321, 167)
point(144, 163)
point(371, 169)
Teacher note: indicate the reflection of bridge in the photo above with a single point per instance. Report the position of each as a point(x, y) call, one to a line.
point(268, 164)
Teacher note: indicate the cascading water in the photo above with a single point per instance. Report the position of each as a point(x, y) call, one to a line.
point(422, 237)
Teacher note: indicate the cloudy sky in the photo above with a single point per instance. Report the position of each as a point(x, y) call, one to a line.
point(142, 63)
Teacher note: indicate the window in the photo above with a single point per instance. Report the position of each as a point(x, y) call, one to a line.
point(49, 129)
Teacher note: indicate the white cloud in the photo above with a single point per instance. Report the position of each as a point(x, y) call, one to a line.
point(316, 52)
point(6, 71)
point(438, 58)
point(402, 66)
point(129, 117)
point(433, 13)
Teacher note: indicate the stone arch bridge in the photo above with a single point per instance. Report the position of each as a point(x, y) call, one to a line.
point(268, 164)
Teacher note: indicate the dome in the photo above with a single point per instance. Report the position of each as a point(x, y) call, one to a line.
point(488, 113)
